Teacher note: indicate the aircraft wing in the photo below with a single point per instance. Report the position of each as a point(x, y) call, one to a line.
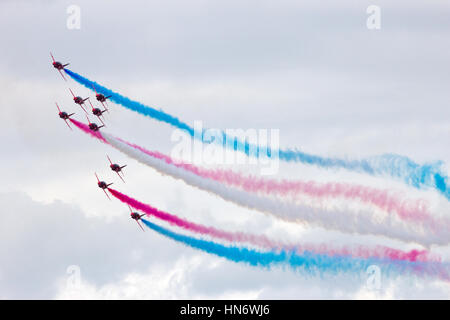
point(62, 75)
point(140, 225)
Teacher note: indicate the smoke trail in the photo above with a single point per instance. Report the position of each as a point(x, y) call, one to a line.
point(361, 222)
point(379, 252)
point(380, 198)
point(411, 173)
point(130, 104)
point(308, 263)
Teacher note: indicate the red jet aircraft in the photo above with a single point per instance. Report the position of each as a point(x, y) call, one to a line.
point(93, 126)
point(100, 97)
point(79, 100)
point(136, 216)
point(103, 185)
point(97, 112)
point(59, 66)
point(63, 115)
point(116, 168)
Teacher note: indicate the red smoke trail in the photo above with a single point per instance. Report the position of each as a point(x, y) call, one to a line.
point(86, 129)
point(262, 241)
point(407, 210)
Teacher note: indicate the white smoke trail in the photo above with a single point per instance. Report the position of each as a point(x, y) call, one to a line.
point(362, 222)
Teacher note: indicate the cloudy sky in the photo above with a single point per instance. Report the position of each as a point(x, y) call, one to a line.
point(315, 72)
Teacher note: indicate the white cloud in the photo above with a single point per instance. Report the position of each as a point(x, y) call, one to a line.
point(314, 71)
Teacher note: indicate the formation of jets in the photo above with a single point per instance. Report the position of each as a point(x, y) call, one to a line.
point(98, 112)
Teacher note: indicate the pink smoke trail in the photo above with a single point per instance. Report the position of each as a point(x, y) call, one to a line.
point(264, 242)
point(407, 210)
point(86, 129)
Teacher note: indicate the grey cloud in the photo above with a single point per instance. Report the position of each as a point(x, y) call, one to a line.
point(39, 241)
point(312, 70)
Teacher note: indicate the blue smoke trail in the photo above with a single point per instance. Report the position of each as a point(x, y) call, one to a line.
point(310, 263)
point(411, 173)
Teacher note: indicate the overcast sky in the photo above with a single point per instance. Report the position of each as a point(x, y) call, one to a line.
point(315, 72)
